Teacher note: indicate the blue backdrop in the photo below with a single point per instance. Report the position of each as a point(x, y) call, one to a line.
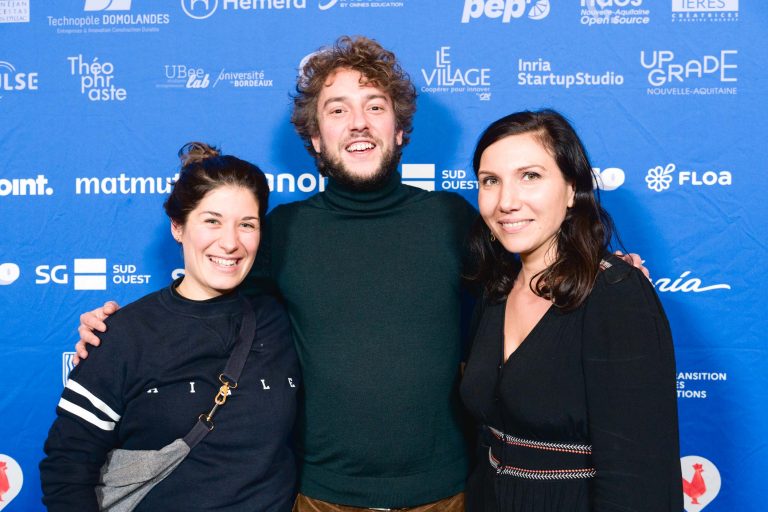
point(96, 97)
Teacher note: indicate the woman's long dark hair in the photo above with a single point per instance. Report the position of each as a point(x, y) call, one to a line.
point(584, 235)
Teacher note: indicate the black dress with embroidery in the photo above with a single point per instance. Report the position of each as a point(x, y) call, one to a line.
point(598, 379)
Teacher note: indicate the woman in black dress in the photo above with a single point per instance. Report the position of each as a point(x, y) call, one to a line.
point(572, 371)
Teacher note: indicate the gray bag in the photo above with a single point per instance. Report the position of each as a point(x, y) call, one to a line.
point(128, 475)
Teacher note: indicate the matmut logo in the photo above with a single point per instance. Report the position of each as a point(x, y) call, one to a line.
point(701, 482)
point(11, 479)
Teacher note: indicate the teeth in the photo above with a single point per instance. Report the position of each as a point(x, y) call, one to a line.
point(517, 224)
point(360, 146)
point(223, 262)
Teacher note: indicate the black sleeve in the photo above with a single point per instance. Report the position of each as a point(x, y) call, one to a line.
point(85, 429)
point(629, 370)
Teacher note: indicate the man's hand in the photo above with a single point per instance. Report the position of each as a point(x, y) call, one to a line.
point(635, 260)
point(90, 322)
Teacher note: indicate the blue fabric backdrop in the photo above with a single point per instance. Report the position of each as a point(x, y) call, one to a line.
point(96, 96)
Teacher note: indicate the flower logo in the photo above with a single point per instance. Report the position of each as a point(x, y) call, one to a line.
point(659, 178)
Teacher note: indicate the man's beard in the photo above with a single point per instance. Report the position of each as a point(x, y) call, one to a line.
point(334, 168)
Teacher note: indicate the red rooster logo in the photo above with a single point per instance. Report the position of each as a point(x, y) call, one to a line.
point(696, 487)
point(5, 485)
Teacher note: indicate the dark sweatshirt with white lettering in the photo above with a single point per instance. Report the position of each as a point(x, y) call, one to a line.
point(371, 283)
point(156, 370)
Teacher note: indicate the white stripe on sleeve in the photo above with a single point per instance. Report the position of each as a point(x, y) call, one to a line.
point(97, 403)
point(86, 415)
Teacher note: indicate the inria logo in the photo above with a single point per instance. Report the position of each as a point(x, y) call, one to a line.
point(107, 5)
point(199, 9)
point(701, 482)
point(9, 272)
point(419, 175)
point(504, 9)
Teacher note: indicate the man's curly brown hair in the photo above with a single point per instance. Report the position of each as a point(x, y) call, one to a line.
point(379, 68)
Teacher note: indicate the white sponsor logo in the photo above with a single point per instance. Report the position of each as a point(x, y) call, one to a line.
point(180, 76)
point(91, 274)
point(25, 186)
point(96, 79)
point(701, 482)
point(690, 384)
point(9, 272)
point(107, 5)
point(12, 477)
point(705, 10)
point(669, 74)
point(202, 9)
point(660, 178)
point(614, 12)
point(539, 72)
point(607, 179)
point(243, 79)
point(324, 5)
point(687, 284)
point(287, 182)
point(124, 185)
point(199, 9)
point(419, 175)
point(444, 77)
point(12, 81)
point(14, 11)
point(504, 9)
point(67, 365)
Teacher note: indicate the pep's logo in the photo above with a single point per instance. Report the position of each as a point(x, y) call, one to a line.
point(11, 480)
point(701, 482)
point(504, 9)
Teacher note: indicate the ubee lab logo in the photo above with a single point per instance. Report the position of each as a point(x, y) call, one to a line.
point(96, 79)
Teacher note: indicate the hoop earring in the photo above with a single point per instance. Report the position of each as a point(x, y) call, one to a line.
point(493, 238)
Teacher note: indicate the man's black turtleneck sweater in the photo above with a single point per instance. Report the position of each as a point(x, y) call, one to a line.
point(371, 282)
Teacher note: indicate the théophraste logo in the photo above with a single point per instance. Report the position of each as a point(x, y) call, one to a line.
point(671, 73)
point(97, 78)
point(507, 10)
